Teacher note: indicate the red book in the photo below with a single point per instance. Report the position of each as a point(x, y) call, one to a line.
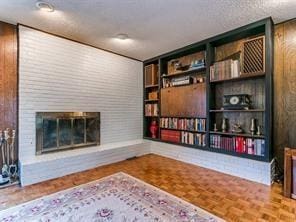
point(240, 145)
point(236, 144)
point(243, 144)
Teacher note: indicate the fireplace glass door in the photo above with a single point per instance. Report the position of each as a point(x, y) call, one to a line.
point(65, 132)
point(59, 131)
point(49, 134)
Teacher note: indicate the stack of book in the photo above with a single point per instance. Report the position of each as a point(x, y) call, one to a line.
point(192, 124)
point(180, 81)
point(170, 136)
point(193, 138)
point(151, 110)
point(238, 144)
point(226, 69)
point(197, 64)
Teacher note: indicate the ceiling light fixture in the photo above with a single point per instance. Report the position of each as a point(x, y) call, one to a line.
point(44, 6)
point(122, 36)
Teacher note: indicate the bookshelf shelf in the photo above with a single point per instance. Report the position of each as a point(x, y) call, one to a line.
point(150, 138)
point(202, 97)
point(184, 117)
point(238, 134)
point(234, 110)
point(188, 72)
point(151, 86)
point(233, 153)
point(184, 85)
point(242, 77)
point(184, 144)
point(151, 100)
point(191, 131)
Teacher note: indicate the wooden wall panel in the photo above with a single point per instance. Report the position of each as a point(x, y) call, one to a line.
point(284, 88)
point(8, 76)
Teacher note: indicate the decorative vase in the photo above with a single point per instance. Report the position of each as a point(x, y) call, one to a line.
point(215, 127)
point(253, 126)
point(153, 129)
point(224, 125)
point(259, 130)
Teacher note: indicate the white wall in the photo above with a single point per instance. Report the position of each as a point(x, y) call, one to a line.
point(253, 170)
point(60, 75)
point(56, 74)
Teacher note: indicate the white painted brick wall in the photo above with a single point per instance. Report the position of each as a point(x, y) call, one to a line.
point(56, 74)
point(55, 165)
point(245, 168)
point(61, 75)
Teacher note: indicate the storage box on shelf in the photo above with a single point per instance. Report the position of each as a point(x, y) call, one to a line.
point(151, 75)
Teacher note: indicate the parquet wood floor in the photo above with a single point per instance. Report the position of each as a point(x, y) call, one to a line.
point(229, 197)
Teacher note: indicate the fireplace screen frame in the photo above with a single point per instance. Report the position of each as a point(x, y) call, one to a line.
point(57, 116)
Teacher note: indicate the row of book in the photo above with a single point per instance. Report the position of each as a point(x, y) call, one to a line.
point(193, 138)
point(184, 80)
point(151, 109)
point(238, 144)
point(170, 135)
point(167, 82)
point(226, 69)
point(192, 124)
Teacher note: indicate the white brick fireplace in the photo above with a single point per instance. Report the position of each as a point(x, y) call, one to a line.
point(58, 75)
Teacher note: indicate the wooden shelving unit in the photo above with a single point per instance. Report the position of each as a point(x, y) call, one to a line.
point(151, 100)
point(151, 97)
point(151, 86)
point(234, 110)
point(242, 77)
point(238, 134)
point(192, 131)
point(204, 99)
point(191, 71)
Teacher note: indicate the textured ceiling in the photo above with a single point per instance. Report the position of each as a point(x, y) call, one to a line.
point(155, 26)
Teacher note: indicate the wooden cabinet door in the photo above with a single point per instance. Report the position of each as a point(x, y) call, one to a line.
point(184, 101)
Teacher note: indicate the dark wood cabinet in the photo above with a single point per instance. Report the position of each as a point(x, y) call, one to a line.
point(184, 101)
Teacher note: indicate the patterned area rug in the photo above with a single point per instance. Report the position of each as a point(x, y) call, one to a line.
point(119, 197)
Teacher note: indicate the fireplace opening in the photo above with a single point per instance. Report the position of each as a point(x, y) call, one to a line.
point(66, 130)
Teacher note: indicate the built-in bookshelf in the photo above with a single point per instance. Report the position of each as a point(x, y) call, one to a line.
point(223, 83)
point(151, 99)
